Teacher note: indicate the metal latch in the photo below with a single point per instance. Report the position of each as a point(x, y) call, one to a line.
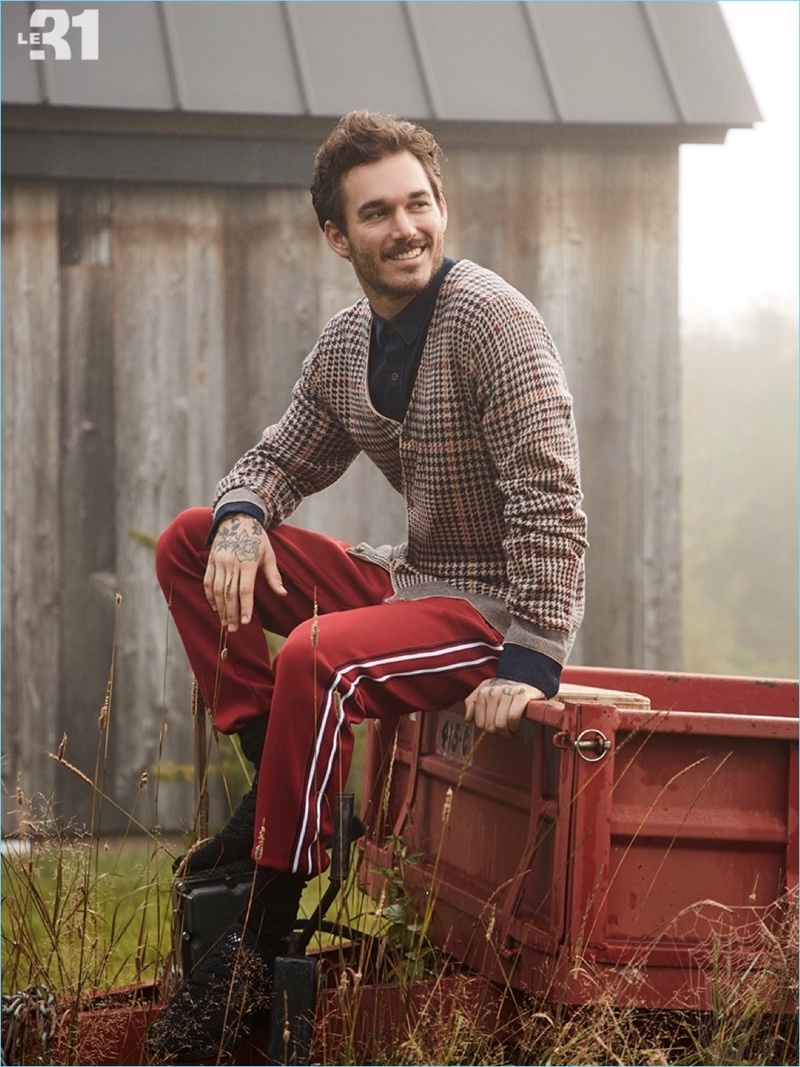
point(591, 745)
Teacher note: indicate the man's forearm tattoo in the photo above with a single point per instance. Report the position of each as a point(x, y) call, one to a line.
point(240, 535)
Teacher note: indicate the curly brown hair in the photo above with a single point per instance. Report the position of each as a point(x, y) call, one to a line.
point(365, 137)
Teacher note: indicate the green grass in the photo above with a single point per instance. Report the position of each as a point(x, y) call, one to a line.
point(80, 915)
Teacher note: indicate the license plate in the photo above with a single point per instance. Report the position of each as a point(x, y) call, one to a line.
point(454, 737)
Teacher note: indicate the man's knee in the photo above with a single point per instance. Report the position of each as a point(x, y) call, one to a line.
point(301, 645)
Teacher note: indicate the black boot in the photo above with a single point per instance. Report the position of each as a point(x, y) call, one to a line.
point(231, 988)
point(234, 843)
point(251, 739)
point(214, 1008)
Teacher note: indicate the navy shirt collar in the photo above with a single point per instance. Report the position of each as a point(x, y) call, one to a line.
point(410, 321)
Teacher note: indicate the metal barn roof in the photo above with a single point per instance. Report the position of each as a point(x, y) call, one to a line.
point(619, 63)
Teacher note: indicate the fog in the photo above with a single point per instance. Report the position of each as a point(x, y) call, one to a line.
point(740, 503)
point(739, 287)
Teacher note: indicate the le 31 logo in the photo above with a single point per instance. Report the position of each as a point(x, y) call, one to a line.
point(51, 25)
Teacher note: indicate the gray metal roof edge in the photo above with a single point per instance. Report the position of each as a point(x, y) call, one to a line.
point(315, 128)
point(285, 161)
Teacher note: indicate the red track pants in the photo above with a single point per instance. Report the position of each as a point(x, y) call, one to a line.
point(360, 658)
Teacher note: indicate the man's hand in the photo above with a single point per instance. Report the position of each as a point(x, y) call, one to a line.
point(240, 548)
point(497, 705)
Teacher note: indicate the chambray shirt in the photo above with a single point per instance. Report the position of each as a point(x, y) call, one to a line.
point(393, 362)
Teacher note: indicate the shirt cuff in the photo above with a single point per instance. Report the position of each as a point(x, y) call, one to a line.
point(520, 664)
point(236, 507)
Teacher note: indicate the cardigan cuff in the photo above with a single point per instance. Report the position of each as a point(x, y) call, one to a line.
point(237, 502)
point(519, 664)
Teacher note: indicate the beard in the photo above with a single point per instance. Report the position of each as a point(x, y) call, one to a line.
point(374, 277)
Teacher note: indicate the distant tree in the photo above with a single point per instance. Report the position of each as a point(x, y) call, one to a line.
point(740, 503)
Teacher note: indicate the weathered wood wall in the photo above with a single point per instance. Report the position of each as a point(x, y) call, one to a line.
point(151, 331)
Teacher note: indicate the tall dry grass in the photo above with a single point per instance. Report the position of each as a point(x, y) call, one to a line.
point(83, 916)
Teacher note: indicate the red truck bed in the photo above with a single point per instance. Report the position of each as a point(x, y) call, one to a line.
point(636, 842)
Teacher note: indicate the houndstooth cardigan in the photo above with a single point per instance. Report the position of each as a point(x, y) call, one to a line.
point(486, 458)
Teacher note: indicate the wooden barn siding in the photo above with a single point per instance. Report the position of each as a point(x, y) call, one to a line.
point(150, 332)
point(31, 469)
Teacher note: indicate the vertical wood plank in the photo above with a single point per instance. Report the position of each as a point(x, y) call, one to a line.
point(271, 308)
point(609, 272)
point(169, 419)
point(88, 527)
point(31, 531)
point(662, 577)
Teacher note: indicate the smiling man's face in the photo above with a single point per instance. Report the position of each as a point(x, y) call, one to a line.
point(395, 230)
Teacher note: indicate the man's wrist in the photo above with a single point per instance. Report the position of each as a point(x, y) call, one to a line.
point(520, 664)
point(235, 507)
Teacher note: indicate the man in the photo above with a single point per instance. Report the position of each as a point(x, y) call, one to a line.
point(448, 379)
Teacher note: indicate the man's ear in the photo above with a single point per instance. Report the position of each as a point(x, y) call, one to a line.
point(336, 240)
point(443, 209)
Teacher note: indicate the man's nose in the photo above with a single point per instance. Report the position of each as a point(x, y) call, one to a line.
point(403, 225)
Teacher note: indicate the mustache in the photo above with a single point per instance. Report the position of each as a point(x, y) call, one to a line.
point(403, 246)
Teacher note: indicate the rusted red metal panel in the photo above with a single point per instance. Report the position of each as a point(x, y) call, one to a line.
point(696, 692)
point(107, 1028)
point(610, 845)
point(360, 1020)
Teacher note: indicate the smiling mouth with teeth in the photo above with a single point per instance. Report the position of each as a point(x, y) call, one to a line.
point(408, 253)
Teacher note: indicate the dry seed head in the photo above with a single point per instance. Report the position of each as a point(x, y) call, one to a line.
point(143, 780)
point(102, 722)
point(74, 769)
point(490, 927)
point(315, 622)
point(224, 654)
point(448, 804)
point(259, 850)
point(62, 748)
point(337, 703)
point(381, 902)
point(118, 599)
